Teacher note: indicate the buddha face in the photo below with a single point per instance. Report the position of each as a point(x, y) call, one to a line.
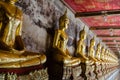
point(103, 49)
point(66, 23)
point(99, 47)
point(83, 35)
point(63, 21)
point(106, 51)
point(93, 42)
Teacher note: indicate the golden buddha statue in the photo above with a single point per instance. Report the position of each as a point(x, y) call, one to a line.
point(86, 64)
point(98, 63)
point(102, 54)
point(106, 53)
point(12, 50)
point(98, 51)
point(91, 50)
point(60, 43)
point(102, 60)
point(81, 46)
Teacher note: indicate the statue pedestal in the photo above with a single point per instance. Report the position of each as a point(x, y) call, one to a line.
point(58, 71)
point(76, 71)
point(103, 68)
point(27, 73)
point(88, 71)
point(98, 71)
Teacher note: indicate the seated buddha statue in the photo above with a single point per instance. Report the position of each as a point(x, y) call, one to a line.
point(81, 46)
point(12, 50)
point(61, 53)
point(106, 53)
point(98, 51)
point(98, 63)
point(102, 54)
point(91, 50)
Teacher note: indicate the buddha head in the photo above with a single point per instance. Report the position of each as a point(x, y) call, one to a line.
point(106, 51)
point(11, 1)
point(83, 34)
point(103, 50)
point(92, 41)
point(63, 21)
point(98, 46)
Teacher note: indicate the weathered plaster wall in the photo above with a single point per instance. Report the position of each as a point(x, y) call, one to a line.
point(41, 19)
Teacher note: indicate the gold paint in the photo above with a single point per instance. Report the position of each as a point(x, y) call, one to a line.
point(98, 51)
point(102, 54)
point(91, 50)
point(81, 46)
point(60, 43)
point(12, 50)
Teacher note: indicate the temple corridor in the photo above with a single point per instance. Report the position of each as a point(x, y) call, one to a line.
point(59, 39)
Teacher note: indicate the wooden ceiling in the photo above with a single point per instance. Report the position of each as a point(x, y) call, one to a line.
point(102, 17)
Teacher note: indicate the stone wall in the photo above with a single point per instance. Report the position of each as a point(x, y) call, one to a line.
point(41, 19)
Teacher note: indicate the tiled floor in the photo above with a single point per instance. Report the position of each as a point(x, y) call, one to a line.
point(115, 75)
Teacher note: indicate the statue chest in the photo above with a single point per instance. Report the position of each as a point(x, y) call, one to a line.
point(63, 39)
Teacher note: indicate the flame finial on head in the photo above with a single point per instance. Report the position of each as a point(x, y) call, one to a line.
point(93, 39)
point(82, 31)
point(64, 16)
point(62, 19)
point(65, 12)
point(99, 45)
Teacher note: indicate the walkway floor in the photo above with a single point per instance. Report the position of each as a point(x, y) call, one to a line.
point(115, 75)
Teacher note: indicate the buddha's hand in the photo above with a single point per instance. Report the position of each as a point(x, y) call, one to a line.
point(17, 51)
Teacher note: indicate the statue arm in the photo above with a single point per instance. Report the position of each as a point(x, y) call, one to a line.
point(78, 47)
point(56, 39)
point(89, 51)
point(56, 42)
point(1, 17)
point(18, 40)
point(3, 45)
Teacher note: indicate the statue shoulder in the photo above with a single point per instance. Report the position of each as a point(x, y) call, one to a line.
point(57, 31)
point(19, 13)
point(11, 10)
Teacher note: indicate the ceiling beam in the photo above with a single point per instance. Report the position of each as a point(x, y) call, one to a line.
point(97, 13)
point(107, 40)
point(108, 35)
point(116, 52)
point(104, 27)
point(110, 40)
point(111, 44)
point(113, 47)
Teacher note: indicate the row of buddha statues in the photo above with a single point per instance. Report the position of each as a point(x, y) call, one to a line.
point(92, 63)
point(14, 55)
